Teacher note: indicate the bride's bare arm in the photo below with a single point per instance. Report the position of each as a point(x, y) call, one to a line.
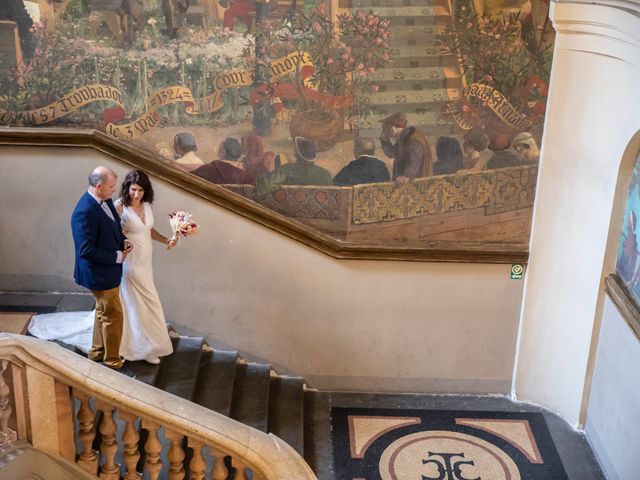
point(158, 237)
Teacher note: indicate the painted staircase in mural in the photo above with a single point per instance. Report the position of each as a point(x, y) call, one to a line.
point(421, 76)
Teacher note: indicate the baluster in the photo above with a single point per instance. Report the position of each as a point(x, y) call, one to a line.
point(88, 458)
point(153, 448)
point(7, 435)
point(197, 464)
point(176, 455)
point(131, 455)
point(240, 470)
point(109, 445)
point(219, 471)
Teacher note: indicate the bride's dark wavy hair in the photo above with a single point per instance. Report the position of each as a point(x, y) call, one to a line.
point(136, 177)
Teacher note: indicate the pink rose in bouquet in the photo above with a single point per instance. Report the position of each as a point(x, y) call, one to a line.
point(182, 224)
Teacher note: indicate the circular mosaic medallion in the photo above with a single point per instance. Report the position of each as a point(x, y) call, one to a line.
point(441, 455)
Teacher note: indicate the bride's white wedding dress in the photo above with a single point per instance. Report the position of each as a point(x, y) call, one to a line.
point(145, 334)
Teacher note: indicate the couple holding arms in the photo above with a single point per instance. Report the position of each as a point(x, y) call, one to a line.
point(113, 253)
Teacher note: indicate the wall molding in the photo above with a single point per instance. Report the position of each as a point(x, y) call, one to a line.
point(624, 302)
point(141, 158)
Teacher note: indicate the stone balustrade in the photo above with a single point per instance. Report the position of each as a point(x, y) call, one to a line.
point(51, 397)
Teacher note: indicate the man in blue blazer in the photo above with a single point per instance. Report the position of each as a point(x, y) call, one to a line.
point(100, 249)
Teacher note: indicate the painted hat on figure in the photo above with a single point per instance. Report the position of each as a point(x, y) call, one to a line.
point(398, 120)
point(305, 149)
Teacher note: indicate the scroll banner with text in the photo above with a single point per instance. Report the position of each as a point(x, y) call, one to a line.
point(243, 78)
point(494, 100)
point(166, 96)
point(68, 104)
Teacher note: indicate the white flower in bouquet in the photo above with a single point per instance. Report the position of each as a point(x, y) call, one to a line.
point(182, 224)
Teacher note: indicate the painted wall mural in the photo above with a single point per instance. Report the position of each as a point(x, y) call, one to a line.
point(377, 122)
point(627, 266)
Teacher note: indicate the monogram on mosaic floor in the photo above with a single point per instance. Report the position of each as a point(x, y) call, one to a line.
point(391, 444)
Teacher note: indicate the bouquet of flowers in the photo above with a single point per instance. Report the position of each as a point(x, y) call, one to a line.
point(182, 224)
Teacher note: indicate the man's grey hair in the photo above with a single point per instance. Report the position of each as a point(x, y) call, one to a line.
point(365, 146)
point(100, 175)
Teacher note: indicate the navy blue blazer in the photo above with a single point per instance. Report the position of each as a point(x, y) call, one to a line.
point(97, 239)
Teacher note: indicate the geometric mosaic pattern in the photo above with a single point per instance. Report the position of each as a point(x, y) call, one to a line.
point(308, 202)
point(497, 190)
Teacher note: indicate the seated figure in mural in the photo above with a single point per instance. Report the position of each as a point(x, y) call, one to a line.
point(503, 156)
point(409, 148)
point(366, 168)
point(526, 147)
point(448, 156)
point(227, 169)
point(478, 155)
point(255, 161)
point(185, 146)
point(628, 254)
point(303, 172)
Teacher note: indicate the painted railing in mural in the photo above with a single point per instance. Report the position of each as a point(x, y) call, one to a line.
point(50, 396)
point(489, 199)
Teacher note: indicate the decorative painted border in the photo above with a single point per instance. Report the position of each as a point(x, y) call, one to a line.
point(624, 302)
point(147, 160)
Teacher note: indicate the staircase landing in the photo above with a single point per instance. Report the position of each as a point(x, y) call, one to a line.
point(252, 393)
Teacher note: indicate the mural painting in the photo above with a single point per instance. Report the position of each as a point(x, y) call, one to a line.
point(375, 122)
point(627, 265)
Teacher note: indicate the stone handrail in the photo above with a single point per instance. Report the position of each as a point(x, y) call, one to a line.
point(43, 387)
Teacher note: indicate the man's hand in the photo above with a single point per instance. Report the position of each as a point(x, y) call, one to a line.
point(401, 180)
point(128, 246)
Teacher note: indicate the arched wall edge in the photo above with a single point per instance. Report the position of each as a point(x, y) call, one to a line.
point(140, 158)
point(625, 170)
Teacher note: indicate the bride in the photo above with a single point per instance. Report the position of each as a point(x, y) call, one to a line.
point(145, 335)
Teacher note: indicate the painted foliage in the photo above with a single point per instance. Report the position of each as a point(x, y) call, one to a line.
point(392, 122)
point(627, 266)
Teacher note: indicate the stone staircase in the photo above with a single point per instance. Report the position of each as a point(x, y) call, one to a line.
point(251, 393)
point(421, 76)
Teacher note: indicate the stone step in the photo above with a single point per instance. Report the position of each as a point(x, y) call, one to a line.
point(214, 389)
point(251, 395)
point(179, 371)
point(430, 99)
point(414, 39)
point(369, 4)
point(414, 16)
point(390, 78)
point(145, 372)
point(416, 31)
point(286, 410)
point(421, 120)
point(421, 56)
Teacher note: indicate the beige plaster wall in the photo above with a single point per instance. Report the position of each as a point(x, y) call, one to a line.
point(345, 325)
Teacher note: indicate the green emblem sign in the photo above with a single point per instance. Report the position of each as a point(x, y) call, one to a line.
point(516, 271)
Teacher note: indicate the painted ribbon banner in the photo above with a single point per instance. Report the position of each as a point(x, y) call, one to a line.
point(69, 103)
point(150, 119)
point(458, 116)
point(499, 104)
point(166, 96)
point(243, 78)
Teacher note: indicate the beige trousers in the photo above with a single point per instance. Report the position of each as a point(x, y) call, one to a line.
point(107, 328)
